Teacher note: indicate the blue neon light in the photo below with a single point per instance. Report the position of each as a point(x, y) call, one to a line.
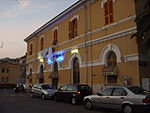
point(49, 61)
point(60, 58)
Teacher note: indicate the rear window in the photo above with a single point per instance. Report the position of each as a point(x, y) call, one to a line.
point(83, 87)
point(138, 90)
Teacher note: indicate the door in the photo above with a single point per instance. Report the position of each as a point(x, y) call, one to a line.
point(102, 100)
point(118, 97)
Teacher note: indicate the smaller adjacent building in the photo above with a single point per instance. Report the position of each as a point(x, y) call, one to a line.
point(12, 71)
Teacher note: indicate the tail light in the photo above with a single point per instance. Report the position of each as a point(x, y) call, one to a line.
point(78, 92)
point(146, 100)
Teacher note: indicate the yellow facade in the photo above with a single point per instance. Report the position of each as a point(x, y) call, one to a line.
point(9, 73)
point(94, 41)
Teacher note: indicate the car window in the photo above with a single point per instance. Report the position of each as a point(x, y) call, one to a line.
point(83, 87)
point(70, 88)
point(39, 86)
point(106, 92)
point(138, 90)
point(119, 92)
point(35, 86)
point(46, 86)
point(63, 88)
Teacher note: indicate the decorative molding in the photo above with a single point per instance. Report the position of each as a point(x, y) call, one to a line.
point(55, 28)
point(75, 17)
point(104, 1)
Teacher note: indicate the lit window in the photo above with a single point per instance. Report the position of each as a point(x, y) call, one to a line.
point(108, 7)
point(73, 28)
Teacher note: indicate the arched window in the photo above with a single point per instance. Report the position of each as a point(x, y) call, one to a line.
point(31, 49)
point(42, 43)
point(111, 59)
point(55, 75)
point(112, 66)
point(30, 78)
point(55, 37)
point(41, 78)
point(76, 71)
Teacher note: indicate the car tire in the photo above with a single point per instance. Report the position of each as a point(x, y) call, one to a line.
point(88, 104)
point(74, 101)
point(43, 96)
point(127, 109)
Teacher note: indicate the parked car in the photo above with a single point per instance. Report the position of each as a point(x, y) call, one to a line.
point(72, 92)
point(128, 99)
point(19, 88)
point(42, 90)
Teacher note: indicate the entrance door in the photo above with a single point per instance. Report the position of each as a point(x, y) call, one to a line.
point(76, 71)
point(55, 75)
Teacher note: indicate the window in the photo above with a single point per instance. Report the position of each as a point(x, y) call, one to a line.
point(63, 88)
point(31, 49)
point(55, 35)
point(73, 28)
point(7, 70)
point(70, 88)
point(42, 44)
point(3, 70)
point(7, 79)
point(119, 92)
point(108, 12)
point(106, 92)
point(111, 59)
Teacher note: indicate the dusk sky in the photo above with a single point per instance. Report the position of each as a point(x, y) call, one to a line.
point(20, 18)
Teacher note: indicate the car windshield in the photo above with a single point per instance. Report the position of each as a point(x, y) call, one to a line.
point(138, 90)
point(46, 86)
point(84, 87)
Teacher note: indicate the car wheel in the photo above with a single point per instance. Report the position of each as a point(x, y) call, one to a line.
point(74, 100)
point(127, 109)
point(43, 97)
point(88, 104)
point(32, 95)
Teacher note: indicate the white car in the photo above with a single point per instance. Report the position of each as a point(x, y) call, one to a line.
point(42, 90)
point(128, 99)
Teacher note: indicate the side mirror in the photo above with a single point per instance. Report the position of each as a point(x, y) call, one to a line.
point(99, 94)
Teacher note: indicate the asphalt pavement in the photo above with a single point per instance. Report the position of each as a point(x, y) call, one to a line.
point(11, 102)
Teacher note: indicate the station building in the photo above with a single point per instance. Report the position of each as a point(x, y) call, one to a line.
point(91, 42)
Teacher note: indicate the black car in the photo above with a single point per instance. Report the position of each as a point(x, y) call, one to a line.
point(19, 88)
point(72, 92)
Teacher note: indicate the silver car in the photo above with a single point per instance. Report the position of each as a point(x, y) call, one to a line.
point(42, 90)
point(128, 99)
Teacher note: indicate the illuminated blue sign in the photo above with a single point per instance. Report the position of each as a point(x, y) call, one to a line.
point(58, 56)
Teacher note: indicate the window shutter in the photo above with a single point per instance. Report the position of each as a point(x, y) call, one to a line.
point(110, 7)
point(70, 30)
point(76, 26)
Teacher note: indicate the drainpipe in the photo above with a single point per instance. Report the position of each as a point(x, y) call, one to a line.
point(85, 39)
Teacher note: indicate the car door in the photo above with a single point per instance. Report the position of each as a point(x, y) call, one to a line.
point(117, 98)
point(69, 92)
point(102, 98)
point(62, 92)
point(39, 90)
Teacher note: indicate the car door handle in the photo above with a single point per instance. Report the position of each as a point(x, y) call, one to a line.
point(122, 97)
